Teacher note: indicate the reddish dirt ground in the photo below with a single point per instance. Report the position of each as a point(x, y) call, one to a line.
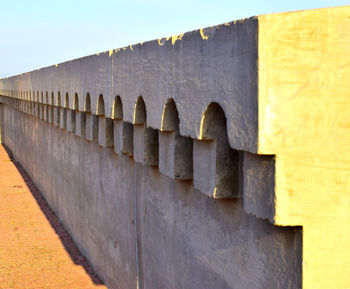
point(35, 250)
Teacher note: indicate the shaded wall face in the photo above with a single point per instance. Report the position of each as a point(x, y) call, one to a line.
point(132, 222)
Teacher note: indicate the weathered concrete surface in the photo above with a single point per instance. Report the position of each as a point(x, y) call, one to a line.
point(304, 109)
point(281, 83)
point(134, 223)
point(217, 64)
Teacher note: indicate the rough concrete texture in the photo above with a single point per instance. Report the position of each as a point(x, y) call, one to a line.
point(280, 84)
point(217, 64)
point(135, 224)
point(259, 172)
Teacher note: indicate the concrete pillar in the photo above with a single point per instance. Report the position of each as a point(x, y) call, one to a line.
point(78, 123)
point(82, 121)
point(45, 112)
point(216, 169)
point(175, 155)
point(70, 120)
point(105, 131)
point(37, 110)
point(204, 165)
point(57, 116)
point(118, 135)
point(91, 127)
point(32, 108)
point(63, 118)
point(51, 114)
point(259, 185)
point(123, 137)
point(41, 111)
point(146, 145)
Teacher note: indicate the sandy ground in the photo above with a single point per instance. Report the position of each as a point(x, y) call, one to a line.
point(35, 250)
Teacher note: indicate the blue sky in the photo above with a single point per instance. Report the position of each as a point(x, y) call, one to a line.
point(38, 33)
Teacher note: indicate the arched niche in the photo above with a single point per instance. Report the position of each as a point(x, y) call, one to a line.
point(170, 116)
point(175, 151)
point(57, 112)
point(216, 164)
point(87, 104)
point(100, 110)
point(140, 115)
point(117, 111)
point(213, 122)
point(146, 141)
point(76, 102)
point(59, 102)
point(66, 101)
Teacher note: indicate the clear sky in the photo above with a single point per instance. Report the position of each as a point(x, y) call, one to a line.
point(38, 33)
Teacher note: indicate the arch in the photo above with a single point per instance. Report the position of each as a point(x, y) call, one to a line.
point(57, 117)
point(37, 96)
point(76, 102)
point(87, 105)
point(47, 98)
point(140, 114)
point(170, 116)
point(66, 101)
point(213, 122)
point(223, 180)
point(117, 112)
point(42, 97)
point(52, 98)
point(59, 103)
point(100, 106)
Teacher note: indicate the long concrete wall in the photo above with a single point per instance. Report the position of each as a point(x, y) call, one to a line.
point(148, 156)
point(134, 223)
point(213, 159)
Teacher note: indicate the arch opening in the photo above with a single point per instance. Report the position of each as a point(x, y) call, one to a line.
point(76, 102)
point(170, 116)
point(221, 178)
point(140, 115)
point(100, 110)
point(117, 111)
point(213, 123)
point(59, 103)
point(87, 105)
point(66, 101)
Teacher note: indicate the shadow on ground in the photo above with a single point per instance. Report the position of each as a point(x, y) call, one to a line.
point(55, 223)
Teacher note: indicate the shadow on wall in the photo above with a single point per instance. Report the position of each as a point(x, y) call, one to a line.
point(63, 235)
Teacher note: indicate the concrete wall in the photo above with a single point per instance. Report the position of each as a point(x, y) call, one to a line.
point(217, 64)
point(149, 154)
point(219, 133)
point(134, 224)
